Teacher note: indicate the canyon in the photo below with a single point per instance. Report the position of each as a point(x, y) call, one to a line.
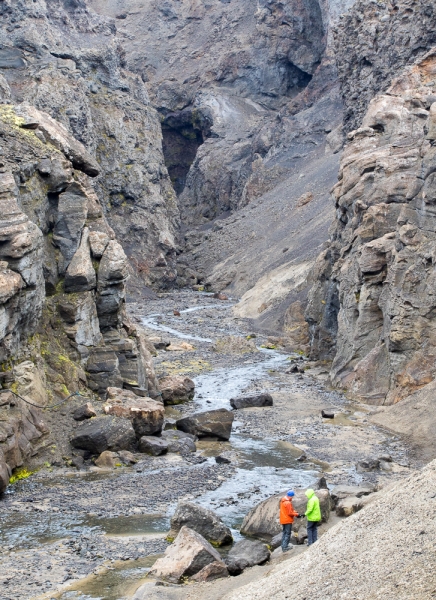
point(202, 203)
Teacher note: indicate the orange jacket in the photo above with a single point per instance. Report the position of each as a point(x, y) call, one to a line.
point(287, 512)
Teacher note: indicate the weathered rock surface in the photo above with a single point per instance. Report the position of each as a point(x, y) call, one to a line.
point(201, 520)
point(248, 552)
point(187, 556)
point(152, 445)
point(146, 415)
point(343, 491)
point(249, 400)
point(176, 389)
point(104, 433)
point(348, 506)
point(371, 307)
point(216, 423)
point(263, 520)
point(86, 411)
point(179, 441)
point(106, 460)
point(215, 570)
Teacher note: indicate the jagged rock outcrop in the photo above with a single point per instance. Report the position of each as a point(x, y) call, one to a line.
point(373, 43)
point(66, 61)
point(62, 321)
point(372, 307)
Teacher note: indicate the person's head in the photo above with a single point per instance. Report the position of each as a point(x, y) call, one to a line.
point(310, 493)
point(290, 494)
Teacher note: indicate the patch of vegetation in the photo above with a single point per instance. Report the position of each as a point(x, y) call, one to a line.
point(19, 474)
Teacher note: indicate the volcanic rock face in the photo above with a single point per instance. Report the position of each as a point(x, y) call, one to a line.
point(373, 42)
point(62, 321)
point(372, 306)
point(66, 61)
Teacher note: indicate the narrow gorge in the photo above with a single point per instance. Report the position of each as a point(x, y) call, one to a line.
point(217, 284)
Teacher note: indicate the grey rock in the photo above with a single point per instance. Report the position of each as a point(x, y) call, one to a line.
point(152, 445)
point(262, 520)
point(188, 555)
point(216, 423)
point(80, 275)
point(248, 400)
point(348, 506)
point(201, 520)
point(179, 441)
point(252, 552)
point(104, 433)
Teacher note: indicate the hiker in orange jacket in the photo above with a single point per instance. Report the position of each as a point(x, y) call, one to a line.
point(287, 514)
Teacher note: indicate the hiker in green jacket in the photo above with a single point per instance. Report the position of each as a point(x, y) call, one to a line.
point(313, 515)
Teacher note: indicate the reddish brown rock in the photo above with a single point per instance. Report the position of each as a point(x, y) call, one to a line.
point(147, 415)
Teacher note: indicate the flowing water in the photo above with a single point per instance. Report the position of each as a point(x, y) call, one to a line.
point(264, 467)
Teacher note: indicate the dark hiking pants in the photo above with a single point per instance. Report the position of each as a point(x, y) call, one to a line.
point(286, 535)
point(312, 532)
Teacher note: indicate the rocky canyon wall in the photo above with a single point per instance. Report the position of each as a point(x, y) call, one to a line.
point(72, 187)
point(67, 61)
point(372, 308)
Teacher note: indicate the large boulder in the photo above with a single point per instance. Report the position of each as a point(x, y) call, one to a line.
point(187, 556)
point(212, 423)
point(147, 415)
point(249, 400)
point(201, 520)
point(176, 389)
point(179, 441)
point(247, 553)
point(152, 445)
point(104, 433)
point(263, 520)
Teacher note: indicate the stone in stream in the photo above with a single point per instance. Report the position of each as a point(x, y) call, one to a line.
point(179, 441)
point(176, 389)
point(86, 411)
point(262, 520)
point(104, 433)
point(249, 400)
point(201, 520)
point(246, 553)
point(187, 556)
point(147, 415)
point(127, 458)
point(153, 445)
point(212, 423)
point(369, 464)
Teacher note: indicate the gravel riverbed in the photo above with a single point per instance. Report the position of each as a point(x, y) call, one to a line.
point(61, 526)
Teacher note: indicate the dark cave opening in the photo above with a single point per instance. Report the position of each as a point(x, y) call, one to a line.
point(183, 132)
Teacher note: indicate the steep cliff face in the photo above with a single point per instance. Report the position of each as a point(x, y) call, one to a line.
point(374, 41)
point(65, 60)
point(63, 326)
point(373, 305)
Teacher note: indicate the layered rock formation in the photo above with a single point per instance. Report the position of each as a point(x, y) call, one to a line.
point(372, 307)
point(62, 281)
point(67, 61)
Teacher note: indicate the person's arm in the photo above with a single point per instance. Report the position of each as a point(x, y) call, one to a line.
point(291, 511)
point(309, 507)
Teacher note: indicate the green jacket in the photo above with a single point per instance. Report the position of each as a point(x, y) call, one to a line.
point(313, 510)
